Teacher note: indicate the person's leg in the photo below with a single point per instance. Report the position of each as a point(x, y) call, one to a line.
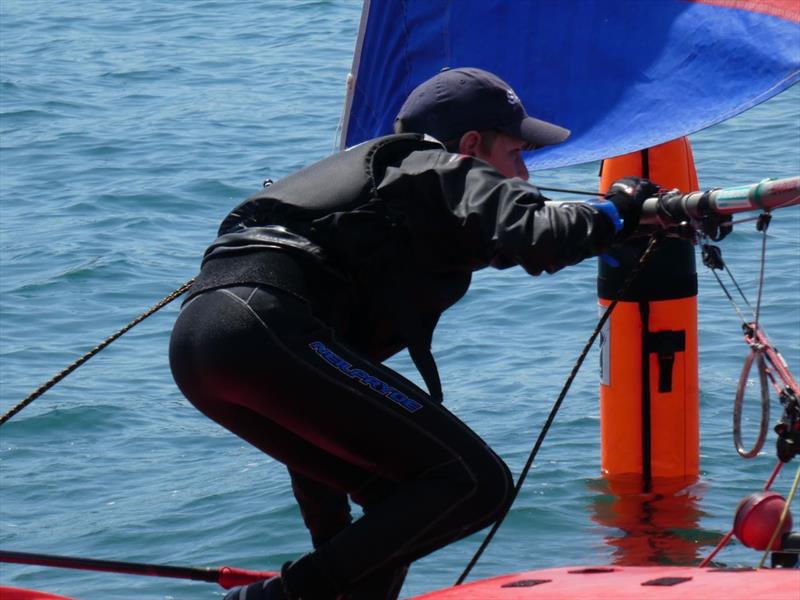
point(384, 584)
point(279, 379)
point(325, 510)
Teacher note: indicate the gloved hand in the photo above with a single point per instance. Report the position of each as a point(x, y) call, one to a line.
point(673, 214)
point(670, 210)
point(627, 195)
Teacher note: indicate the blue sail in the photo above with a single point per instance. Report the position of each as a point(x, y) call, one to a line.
point(621, 74)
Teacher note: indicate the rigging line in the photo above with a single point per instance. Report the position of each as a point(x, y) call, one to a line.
point(722, 543)
point(774, 475)
point(763, 225)
point(69, 369)
point(756, 355)
point(655, 239)
point(771, 376)
point(581, 192)
point(724, 287)
point(740, 221)
point(754, 311)
point(727, 537)
point(741, 291)
point(782, 519)
point(730, 298)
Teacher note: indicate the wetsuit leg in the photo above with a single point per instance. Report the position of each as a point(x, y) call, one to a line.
point(259, 363)
point(325, 510)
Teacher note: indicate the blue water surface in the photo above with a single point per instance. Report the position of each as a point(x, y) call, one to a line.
point(129, 129)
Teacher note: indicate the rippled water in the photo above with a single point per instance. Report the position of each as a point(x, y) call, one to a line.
point(128, 131)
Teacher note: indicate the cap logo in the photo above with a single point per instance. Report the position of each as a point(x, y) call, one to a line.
point(511, 97)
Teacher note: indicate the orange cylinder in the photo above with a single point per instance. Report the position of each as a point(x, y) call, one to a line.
point(670, 164)
point(649, 392)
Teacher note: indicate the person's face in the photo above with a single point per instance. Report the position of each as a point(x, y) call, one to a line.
point(505, 155)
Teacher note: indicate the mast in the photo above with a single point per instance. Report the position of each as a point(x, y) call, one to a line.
point(352, 77)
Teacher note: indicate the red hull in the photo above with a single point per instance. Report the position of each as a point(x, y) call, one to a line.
point(630, 583)
point(597, 583)
point(9, 593)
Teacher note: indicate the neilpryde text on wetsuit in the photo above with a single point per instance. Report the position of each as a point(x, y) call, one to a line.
point(365, 378)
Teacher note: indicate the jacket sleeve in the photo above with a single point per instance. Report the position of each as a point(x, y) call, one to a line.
point(491, 219)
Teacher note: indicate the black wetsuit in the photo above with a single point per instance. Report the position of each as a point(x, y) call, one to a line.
point(315, 281)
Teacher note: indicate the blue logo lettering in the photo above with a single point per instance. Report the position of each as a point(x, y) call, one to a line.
point(364, 378)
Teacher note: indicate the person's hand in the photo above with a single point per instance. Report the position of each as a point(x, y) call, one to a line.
point(673, 214)
point(627, 195)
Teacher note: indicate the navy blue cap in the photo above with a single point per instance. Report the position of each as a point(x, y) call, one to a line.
point(455, 101)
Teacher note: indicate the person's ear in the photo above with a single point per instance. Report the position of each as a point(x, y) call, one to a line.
point(469, 143)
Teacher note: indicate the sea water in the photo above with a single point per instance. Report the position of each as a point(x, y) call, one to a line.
point(129, 129)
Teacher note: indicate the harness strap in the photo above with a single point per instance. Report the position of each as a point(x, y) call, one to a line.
point(418, 335)
point(426, 365)
point(269, 266)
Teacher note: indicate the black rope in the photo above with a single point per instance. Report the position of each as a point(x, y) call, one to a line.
point(66, 371)
point(654, 241)
point(756, 351)
point(762, 226)
point(580, 192)
point(712, 258)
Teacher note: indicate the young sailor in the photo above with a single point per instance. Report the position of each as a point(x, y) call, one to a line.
point(317, 279)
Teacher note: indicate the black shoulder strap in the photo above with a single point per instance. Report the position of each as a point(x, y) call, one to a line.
point(418, 339)
point(426, 365)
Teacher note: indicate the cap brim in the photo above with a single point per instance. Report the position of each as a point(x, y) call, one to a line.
point(541, 133)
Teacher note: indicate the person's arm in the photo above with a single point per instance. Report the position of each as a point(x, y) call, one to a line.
point(493, 220)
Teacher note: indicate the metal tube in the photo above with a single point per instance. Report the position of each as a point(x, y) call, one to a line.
point(765, 195)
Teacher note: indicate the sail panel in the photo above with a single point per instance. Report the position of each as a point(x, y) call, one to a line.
point(621, 74)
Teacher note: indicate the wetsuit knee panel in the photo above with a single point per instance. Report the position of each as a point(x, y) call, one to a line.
point(492, 492)
point(488, 484)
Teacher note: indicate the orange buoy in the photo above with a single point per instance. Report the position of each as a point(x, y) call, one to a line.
point(649, 390)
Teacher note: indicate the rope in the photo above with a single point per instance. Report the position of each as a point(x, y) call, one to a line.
point(728, 294)
point(763, 224)
point(727, 537)
point(66, 371)
point(579, 192)
point(775, 471)
point(654, 241)
point(756, 349)
point(722, 543)
point(757, 354)
point(782, 519)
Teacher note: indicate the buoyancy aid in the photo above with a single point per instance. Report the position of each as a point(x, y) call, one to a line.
point(330, 217)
